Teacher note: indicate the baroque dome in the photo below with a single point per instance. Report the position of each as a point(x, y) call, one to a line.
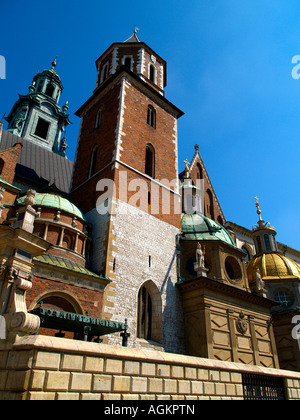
point(201, 228)
point(273, 265)
point(55, 201)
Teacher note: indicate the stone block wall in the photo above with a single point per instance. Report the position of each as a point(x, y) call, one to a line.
point(50, 368)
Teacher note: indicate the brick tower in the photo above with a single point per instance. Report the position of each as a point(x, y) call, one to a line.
point(125, 180)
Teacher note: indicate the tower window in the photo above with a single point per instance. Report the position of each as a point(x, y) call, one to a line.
point(151, 117)
point(150, 161)
point(267, 243)
point(49, 90)
point(93, 162)
point(152, 73)
point(98, 118)
point(104, 73)
point(40, 86)
point(259, 247)
point(127, 62)
point(42, 128)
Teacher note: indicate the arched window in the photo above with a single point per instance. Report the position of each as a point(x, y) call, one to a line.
point(93, 162)
point(150, 161)
point(151, 117)
point(98, 118)
point(199, 171)
point(248, 256)
point(220, 220)
point(267, 242)
point(258, 241)
point(209, 205)
point(50, 90)
point(152, 73)
point(104, 73)
point(127, 62)
point(1, 165)
point(145, 314)
point(149, 314)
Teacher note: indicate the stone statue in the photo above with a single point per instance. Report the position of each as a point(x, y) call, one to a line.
point(260, 284)
point(200, 256)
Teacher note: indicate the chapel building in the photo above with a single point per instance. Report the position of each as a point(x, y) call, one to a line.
point(120, 237)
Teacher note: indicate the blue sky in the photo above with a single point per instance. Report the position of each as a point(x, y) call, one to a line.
point(229, 70)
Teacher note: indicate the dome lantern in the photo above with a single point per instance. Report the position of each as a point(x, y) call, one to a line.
point(263, 234)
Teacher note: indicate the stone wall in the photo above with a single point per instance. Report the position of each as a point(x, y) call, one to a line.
point(50, 368)
point(139, 236)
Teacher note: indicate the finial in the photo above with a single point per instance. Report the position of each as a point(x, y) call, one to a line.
point(258, 209)
point(135, 29)
point(29, 200)
point(196, 147)
point(65, 107)
point(54, 63)
point(187, 168)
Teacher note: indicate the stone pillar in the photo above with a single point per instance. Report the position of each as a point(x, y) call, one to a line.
point(232, 331)
point(26, 215)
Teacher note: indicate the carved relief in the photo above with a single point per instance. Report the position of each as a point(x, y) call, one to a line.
point(242, 324)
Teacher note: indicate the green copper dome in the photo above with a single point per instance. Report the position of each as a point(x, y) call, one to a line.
point(56, 202)
point(200, 228)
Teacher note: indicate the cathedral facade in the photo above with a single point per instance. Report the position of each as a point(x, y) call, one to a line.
point(122, 237)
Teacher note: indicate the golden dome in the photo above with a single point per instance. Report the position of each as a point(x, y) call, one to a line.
point(273, 266)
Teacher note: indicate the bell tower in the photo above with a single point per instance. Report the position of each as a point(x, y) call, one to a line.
point(37, 117)
point(126, 163)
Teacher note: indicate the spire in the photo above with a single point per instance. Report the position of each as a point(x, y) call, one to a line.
point(134, 38)
point(260, 222)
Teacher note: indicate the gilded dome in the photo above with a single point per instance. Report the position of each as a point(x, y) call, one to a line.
point(199, 227)
point(273, 265)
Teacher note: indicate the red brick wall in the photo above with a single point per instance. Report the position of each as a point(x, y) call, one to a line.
point(136, 134)
point(8, 161)
point(88, 299)
point(90, 136)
